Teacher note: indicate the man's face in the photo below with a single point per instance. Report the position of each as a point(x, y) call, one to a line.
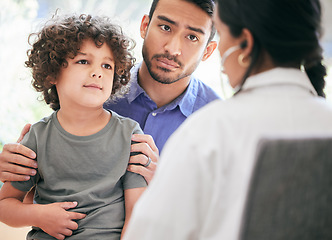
point(175, 40)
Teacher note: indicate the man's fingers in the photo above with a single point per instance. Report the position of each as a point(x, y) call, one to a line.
point(19, 149)
point(145, 172)
point(139, 159)
point(13, 165)
point(148, 149)
point(23, 161)
point(138, 169)
point(144, 148)
point(142, 159)
point(22, 170)
point(24, 131)
point(13, 172)
point(146, 139)
point(7, 176)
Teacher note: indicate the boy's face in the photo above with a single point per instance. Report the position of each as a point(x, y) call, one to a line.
point(88, 79)
point(175, 40)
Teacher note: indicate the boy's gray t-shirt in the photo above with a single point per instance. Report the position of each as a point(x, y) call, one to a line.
point(88, 169)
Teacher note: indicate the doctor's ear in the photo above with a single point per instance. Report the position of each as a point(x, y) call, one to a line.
point(247, 41)
point(244, 44)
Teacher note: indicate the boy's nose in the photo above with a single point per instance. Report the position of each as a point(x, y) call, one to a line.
point(96, 75)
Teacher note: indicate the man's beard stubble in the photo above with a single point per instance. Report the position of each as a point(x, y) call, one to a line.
point(158, 77)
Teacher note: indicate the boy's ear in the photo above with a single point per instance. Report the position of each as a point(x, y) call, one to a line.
point(144, 25)
point(51, 80)
point(209, 50)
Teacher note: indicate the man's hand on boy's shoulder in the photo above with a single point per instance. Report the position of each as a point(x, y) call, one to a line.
point(145, 159)
point(17, 161)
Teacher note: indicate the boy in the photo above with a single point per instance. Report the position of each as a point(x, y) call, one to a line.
point(83, 150)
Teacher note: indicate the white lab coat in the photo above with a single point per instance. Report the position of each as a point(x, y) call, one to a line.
point(200, 186)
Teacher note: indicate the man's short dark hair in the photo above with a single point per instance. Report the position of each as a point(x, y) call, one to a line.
point(206, 5)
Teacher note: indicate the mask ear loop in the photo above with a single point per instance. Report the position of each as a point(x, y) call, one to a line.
point(226, 54)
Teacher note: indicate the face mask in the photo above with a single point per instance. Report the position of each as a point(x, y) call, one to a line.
point(226, 54)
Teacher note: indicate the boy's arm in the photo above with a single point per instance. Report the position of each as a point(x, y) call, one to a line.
point(10, 213)
point(53, 218)
point(131, 196)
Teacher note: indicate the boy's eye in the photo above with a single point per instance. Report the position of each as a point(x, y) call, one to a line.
point(193, 38)
point(107, 66)
point(82, 61)
point(165, 28)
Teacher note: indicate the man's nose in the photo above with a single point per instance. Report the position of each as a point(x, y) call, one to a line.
point(174, 46)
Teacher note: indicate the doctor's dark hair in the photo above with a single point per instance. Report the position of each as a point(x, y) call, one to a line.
point(206, 5)
point(288, 30)
point(61, 38)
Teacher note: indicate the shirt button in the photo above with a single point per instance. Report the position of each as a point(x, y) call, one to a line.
point(154, 114)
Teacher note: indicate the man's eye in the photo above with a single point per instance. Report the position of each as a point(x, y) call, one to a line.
point(107, 66)
point(165, 28)
point(193, 38)
point(82, 61)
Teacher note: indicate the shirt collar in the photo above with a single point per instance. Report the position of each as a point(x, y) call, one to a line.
point(280, 76)
point(185, 101)
point(135, 88)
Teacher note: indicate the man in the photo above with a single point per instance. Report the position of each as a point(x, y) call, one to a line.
point(177, 36)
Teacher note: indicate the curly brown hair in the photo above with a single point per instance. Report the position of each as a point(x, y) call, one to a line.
point(62, 37)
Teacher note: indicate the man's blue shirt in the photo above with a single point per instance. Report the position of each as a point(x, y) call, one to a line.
point(161, 122)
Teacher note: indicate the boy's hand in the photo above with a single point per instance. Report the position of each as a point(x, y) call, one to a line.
point(144, 163)
point(55, 220)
